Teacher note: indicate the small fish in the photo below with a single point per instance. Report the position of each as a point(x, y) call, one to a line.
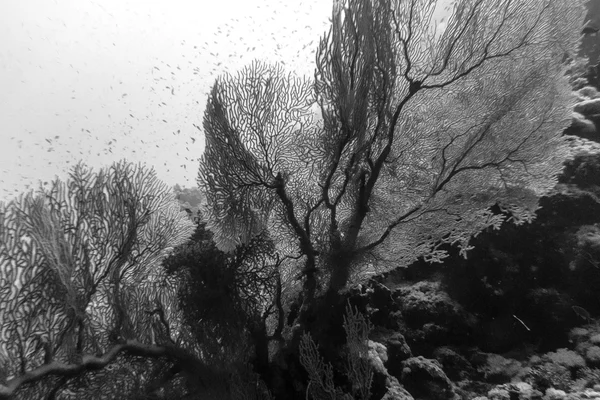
point(582, 312)
point(521, 321)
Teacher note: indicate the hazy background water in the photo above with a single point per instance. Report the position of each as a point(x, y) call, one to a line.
point(112, 79)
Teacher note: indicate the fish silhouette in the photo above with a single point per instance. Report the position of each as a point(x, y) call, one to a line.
point(582, 312)
point(589, 30)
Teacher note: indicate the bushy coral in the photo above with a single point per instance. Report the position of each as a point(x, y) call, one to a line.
point(499, 369)
point(577, 72)
point(590, 77)
point(578, 335)
point(592, 355)
point(589, 92)
point(425, 378)
point(377, 356)
point(555, 394)
point(588, 378)
point(587, 343)
point(566, 358)
point(558, 370)
point(588, 107)
point(581, 126)
point(561, 372)
point(432, 317)
point(549, 375)
point(456, 366)
point(519, 390)
point(589, 236)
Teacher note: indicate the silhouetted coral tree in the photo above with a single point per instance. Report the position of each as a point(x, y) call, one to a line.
point(80, 283)
point(230, 299)
point(401, 143)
